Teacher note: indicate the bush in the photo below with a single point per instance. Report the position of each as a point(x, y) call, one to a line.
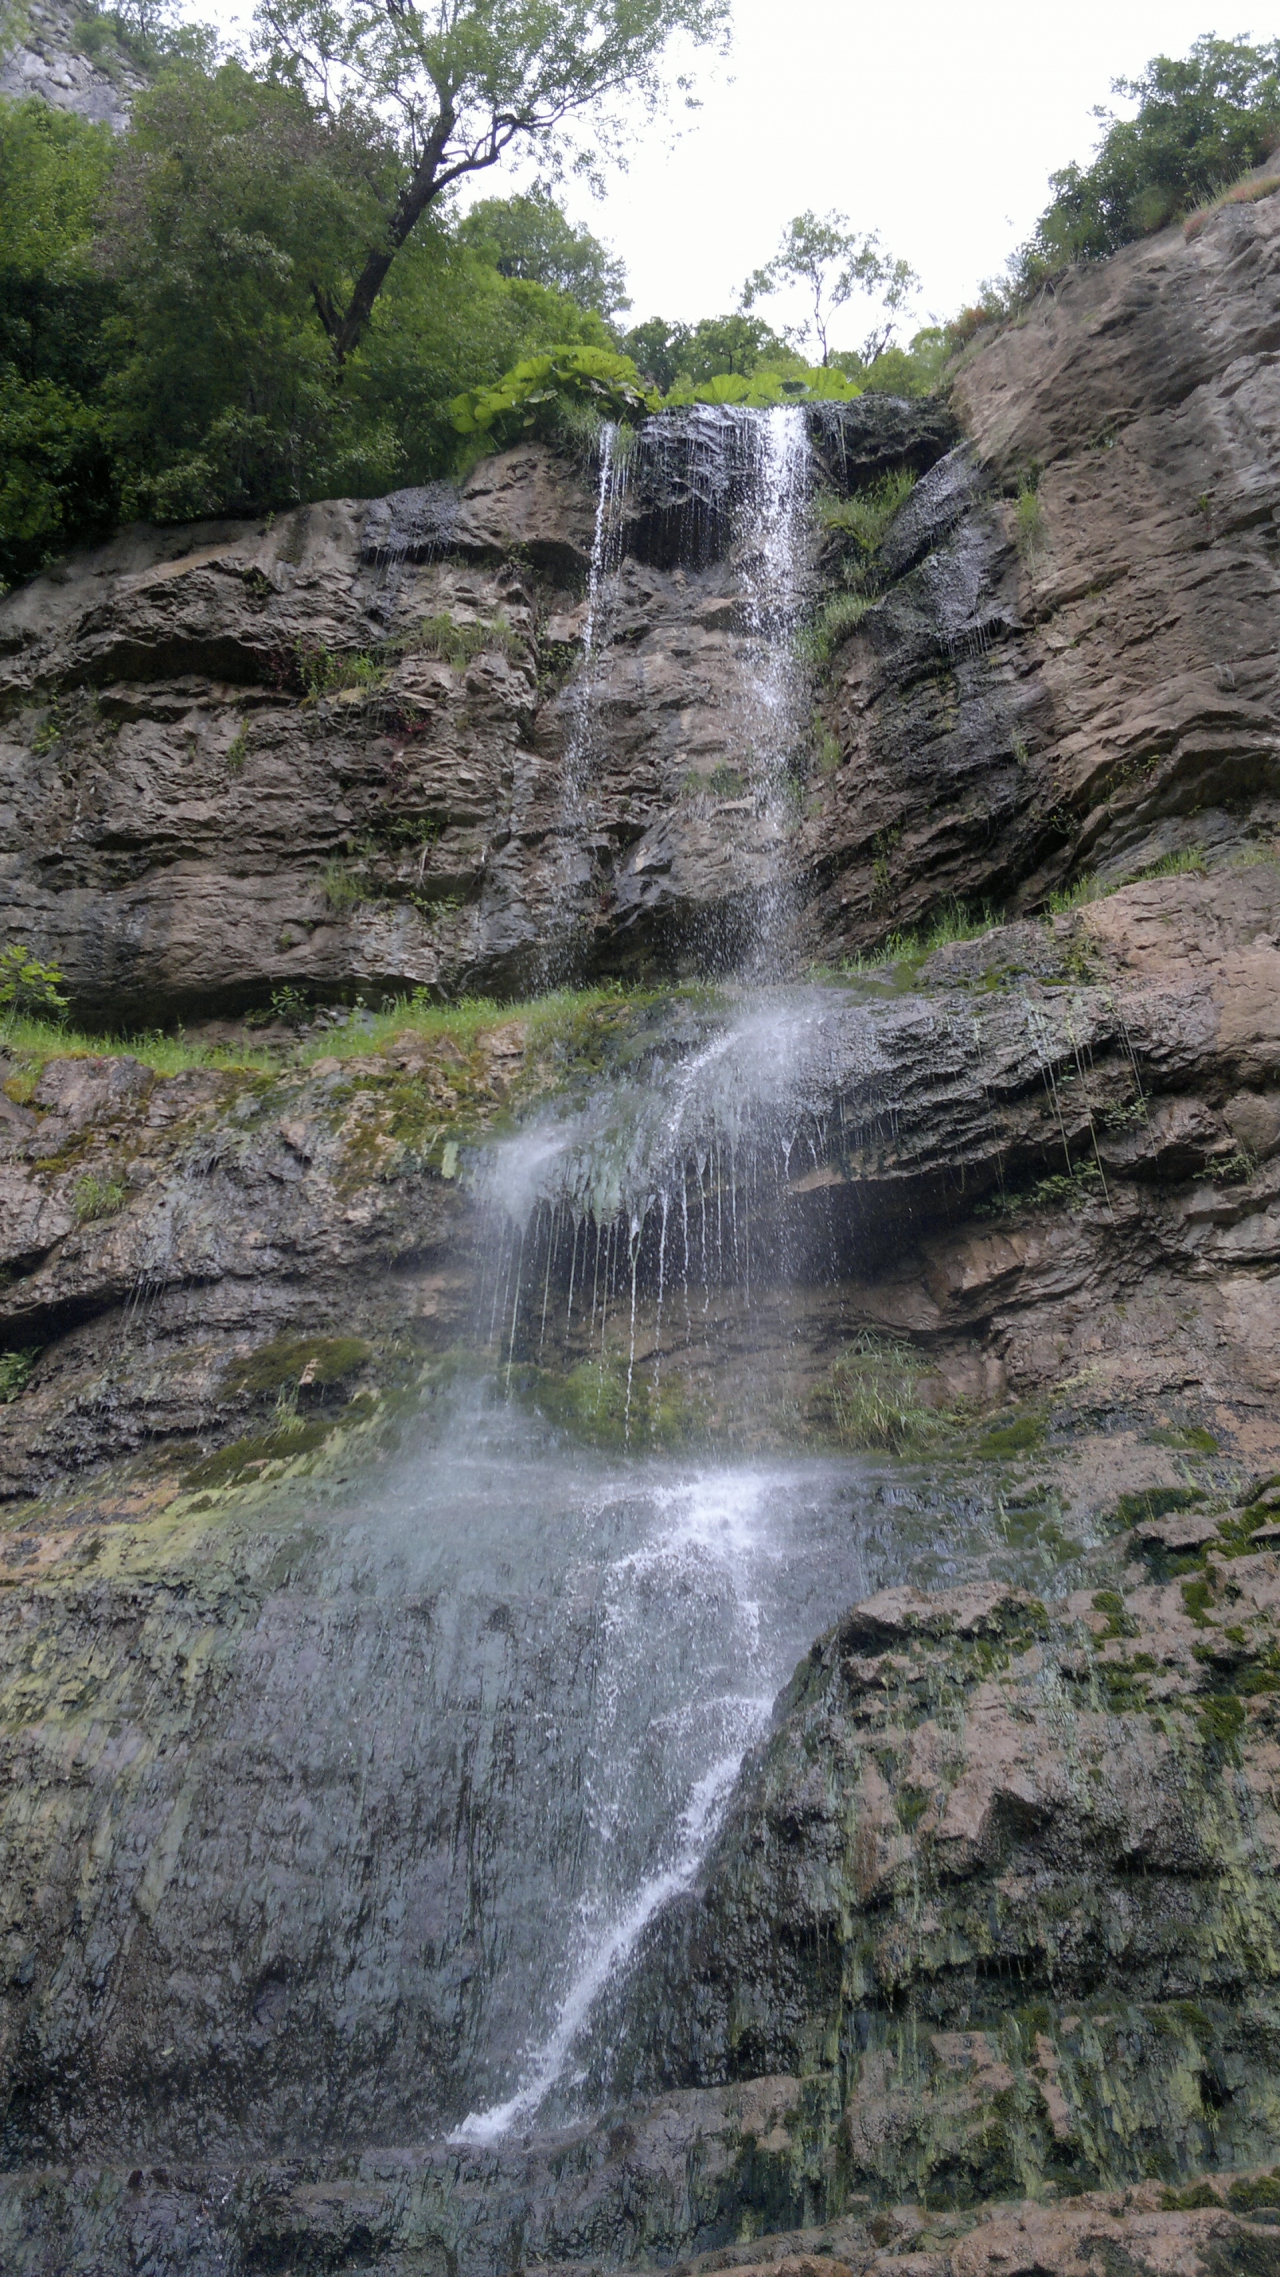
point(527, 400)
point(862, 520)
point(15, 1371)
point(28, 988)
point(768, 385)
point(96, 1197)
point(1202, 120)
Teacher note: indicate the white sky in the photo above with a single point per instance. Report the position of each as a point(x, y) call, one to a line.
point(936, 123)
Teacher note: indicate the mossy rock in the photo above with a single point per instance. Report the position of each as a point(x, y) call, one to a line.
point(308, 1363)
point(1191, 1439)
point(230, 1464)
point(1154, 1502)
point(592, 1402)
point(1020, 1437)
point(1249, 2197)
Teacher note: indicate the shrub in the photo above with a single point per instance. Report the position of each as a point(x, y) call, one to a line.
point(768, 385)
point(527, 399)
point(324, 672)
point(15, 1371)
point(343, 886)
point(28, 988)
point(863, 520)
point(1245, 193)
point(836, 621)
point(1201, 121)
point(869, 1399)
point(1029, 522)
point(96, 1197)
point(455, 643)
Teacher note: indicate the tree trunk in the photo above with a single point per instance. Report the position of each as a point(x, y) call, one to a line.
point(423, 185)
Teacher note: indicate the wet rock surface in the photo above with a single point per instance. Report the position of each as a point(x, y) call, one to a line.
point(979, 1972)
point(1090, 673)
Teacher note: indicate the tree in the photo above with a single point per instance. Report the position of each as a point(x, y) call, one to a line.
point(529, 237)
point(821, 256)
point(735, 343)
point(233, 210)
point(56, 475)
point(458, 83)
point(1202, 120)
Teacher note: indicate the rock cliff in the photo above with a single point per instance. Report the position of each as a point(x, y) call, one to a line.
point(980, 1972)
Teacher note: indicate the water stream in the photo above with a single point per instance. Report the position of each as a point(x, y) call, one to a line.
point(609, 1631)
point(533, 1671)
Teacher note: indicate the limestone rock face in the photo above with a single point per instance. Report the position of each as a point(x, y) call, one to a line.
point(1087, 675)
point(235, 761)
point(48, 56)
point(980, 1973)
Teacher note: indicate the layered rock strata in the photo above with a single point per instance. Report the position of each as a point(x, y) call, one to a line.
point(328, 754)
point(992, 1918)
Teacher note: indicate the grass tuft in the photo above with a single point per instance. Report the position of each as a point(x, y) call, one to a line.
point(96, 1197)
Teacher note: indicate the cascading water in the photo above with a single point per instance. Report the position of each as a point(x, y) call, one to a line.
point(694, 486)
point(506, 1684)
point(775, 689)
point(660, 1187)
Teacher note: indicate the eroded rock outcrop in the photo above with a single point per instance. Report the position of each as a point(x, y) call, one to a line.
point(993, 1914)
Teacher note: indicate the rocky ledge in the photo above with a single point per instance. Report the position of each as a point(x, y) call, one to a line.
point(992, 1929)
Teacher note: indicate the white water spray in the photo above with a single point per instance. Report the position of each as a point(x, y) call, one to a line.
point(713, 1543)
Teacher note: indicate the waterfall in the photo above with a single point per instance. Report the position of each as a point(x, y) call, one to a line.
point(647, 1196)
point(692, 487)
point(775, 685)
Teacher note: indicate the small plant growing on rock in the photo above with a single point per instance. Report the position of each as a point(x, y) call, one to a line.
point(29, 989)
point(1029, 522)
point(863, 520)
point(870, 1399)
point(459, 644)
point(343, 886)
point(96, 1197)
point(324, 673)
point(15, 1372)
point(839, 618)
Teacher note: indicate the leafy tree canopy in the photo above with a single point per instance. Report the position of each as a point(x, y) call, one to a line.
point(1202, 120)
point(458, 83)
point(737, 343)
point(529, 237)
point(830, 264)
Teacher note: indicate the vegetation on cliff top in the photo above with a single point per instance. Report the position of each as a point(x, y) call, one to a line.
point(1202, 121)
point(262, 293)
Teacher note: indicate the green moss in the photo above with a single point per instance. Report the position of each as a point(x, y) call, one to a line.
point(1193, 1440)
point(1017, 1438)
point(911, 1803)
point(231, 1464)
point(1124, 1685)
point(1155, 1502)
point(95, 1197)
point(1197, 1597)
point(594, 1402)
point(1190, 2200)
point(1119, 1623)
point(304, 1362)
point(869, 1400)
point(1261, 2190)
point(1221, 1722)
point(15, 1371)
